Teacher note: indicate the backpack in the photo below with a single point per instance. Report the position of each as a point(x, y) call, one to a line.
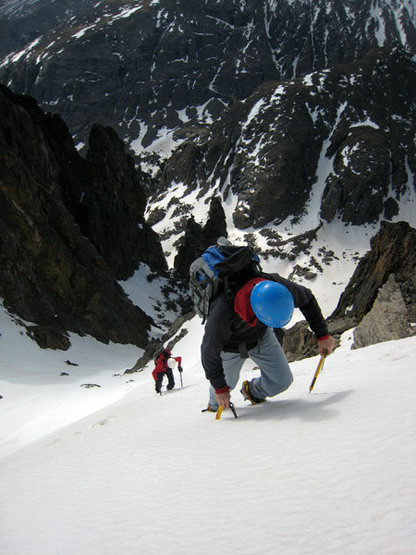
point(221, 267)
point(165, 353)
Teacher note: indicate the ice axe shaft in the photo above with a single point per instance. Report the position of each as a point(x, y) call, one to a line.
point(318, 370)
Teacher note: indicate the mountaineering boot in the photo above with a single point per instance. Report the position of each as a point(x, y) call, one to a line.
point(248, 396)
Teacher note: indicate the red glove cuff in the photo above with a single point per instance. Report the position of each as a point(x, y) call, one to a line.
point(324, 337)
point(224, 389)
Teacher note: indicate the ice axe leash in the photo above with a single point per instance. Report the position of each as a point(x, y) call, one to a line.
point(318, 370)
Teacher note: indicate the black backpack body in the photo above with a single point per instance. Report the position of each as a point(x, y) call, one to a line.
point(221, 267)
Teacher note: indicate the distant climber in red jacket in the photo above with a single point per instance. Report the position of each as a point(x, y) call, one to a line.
point(162, 368)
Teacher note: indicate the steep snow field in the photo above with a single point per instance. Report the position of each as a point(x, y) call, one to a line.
point(327, 472)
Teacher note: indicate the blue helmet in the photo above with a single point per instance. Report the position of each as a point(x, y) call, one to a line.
point(272, 303)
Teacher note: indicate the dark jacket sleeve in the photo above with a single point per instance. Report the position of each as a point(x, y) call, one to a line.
point(216, 335)
point(305, 300)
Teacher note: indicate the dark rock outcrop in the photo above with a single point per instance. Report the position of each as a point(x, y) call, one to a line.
point(393, 252)
point(379, 301)
point(197, 238)
point(50, 272)
point(215, 225)
point(110, 208)
point(189, 249)
point(357, 188)
point(388, 319)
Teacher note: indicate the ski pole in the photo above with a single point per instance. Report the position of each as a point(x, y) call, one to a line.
point(180, 375)
point(318, 370)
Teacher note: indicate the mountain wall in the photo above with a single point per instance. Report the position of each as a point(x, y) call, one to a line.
point(68, 228)
point(23, 21)
point(246, 115)
point(271, 102)
point(148, 68)
point(342, 138)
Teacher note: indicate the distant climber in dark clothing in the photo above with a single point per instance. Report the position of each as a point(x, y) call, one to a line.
point(162, 368)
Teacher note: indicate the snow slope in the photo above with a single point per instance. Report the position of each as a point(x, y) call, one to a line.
point(327, 472)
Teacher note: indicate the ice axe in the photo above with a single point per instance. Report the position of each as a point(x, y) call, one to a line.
point(318, 370)
point(221, 408)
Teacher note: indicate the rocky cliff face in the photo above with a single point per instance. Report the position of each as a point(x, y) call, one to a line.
point(393, 252)
point(109, 206)
point(57, 265)
point(147, 67)
point(380, 299)
point(23, 21)
point(388, 319)
point(347, 130)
